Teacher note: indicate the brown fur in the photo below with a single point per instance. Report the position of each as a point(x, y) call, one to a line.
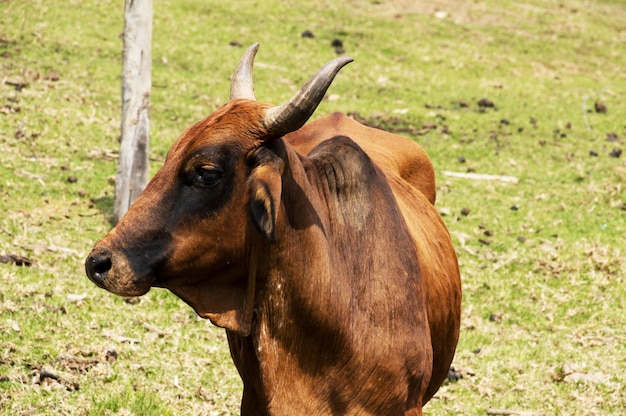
point(408, 169)
point(320, 253)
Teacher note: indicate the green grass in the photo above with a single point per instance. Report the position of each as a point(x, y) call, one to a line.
point(543, 309)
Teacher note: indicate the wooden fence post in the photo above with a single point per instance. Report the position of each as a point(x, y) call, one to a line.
point(133, 165)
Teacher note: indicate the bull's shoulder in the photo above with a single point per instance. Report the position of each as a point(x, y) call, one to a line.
point(363, 210)
point(343, 166)
point(348, 181)
point(395, 155)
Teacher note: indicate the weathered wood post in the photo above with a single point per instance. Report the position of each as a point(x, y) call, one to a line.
point(133, 166)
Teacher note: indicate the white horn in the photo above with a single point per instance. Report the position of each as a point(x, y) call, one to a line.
point(241, 85)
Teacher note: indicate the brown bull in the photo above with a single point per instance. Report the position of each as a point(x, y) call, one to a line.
point(317, 248)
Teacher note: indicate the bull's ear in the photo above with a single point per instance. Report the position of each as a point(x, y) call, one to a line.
point(265, 187)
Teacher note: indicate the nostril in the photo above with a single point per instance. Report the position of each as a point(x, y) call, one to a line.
point(97, 267)
point(101, 264)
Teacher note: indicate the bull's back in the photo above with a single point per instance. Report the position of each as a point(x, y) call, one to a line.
point(412, 179)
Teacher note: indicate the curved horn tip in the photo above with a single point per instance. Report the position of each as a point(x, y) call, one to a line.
point(252, 48)
point(294, 113)
point(242, 85)
point(344, 59)
point(334, 66)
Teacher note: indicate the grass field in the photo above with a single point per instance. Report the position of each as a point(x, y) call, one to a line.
point(534, 90)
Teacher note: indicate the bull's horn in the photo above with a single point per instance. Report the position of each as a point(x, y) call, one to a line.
point(241, 85)
point(292, 115)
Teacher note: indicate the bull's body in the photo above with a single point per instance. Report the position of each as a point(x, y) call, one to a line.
point(318, 249)
point(411, 177)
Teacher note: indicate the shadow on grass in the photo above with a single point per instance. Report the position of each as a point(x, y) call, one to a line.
point(104, 204)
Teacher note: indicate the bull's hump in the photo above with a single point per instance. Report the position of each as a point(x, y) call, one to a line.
point(346, 174)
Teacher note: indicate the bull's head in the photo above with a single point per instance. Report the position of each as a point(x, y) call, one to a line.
point(189, 230)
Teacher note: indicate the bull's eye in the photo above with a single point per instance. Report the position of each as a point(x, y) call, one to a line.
point(206, 176)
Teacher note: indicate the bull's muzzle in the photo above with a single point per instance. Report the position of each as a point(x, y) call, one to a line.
point(111, 270)
point(97, 266)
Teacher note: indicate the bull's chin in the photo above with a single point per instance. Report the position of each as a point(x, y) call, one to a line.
point(128, 287)
point(130, 291)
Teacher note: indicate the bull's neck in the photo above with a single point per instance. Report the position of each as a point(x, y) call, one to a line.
point(297, 279)
point(294, 336)
point(295, 332)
